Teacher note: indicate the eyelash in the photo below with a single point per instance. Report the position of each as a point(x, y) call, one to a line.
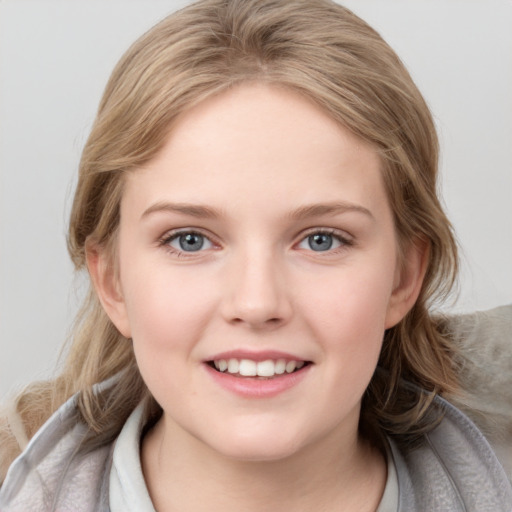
point(166, 240)
point(341, 237)
point(344, 240)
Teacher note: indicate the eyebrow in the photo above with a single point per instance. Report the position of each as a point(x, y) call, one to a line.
point(301, 213)
point(191, 210)
point(334, 208)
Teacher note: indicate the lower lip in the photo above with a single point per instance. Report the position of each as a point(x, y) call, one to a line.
point(251, 387)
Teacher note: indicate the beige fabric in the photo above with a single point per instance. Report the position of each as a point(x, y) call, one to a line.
point(485, 339)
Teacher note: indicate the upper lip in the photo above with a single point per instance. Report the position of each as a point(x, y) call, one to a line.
point(264, 355)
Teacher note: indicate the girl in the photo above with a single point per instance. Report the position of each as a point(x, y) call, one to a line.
point(257, 210)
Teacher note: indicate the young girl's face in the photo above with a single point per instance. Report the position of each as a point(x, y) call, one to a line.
point(260, 239)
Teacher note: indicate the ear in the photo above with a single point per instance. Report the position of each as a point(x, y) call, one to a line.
point(408, 282)
point(106, 283)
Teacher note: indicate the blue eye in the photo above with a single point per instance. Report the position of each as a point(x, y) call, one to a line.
point(189, 242)
point(321, 242)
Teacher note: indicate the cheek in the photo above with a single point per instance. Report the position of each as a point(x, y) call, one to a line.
point(167, 309)
point(349, 312)
point(360, 297)
point(167, 314)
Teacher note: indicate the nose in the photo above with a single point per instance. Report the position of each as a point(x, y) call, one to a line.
point(256, 294)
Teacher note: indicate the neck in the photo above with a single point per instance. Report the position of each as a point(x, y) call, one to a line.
point(334, 474)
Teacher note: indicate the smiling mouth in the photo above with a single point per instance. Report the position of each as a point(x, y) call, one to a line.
point(267, 369)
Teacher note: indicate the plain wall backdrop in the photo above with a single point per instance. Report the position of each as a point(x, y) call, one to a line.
point(55, 58)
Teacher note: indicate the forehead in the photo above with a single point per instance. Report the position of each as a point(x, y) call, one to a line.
point(259, 142)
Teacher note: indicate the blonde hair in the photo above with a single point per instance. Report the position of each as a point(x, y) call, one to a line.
point(324, 52)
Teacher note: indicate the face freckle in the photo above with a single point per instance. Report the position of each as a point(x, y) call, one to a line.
point(260, 232)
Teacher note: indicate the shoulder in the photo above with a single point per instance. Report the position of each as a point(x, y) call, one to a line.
point(454, 468)
point(52, 470)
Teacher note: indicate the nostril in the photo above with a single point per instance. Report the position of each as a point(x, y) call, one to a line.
point(275, 321)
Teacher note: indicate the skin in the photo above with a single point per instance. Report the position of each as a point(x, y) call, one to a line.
point(256, 156)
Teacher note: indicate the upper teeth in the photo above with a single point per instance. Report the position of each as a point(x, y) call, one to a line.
point(249, 368)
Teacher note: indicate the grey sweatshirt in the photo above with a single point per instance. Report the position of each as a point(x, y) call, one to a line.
point(453, 470)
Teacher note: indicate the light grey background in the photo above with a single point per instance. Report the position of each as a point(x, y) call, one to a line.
point(55, 58)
